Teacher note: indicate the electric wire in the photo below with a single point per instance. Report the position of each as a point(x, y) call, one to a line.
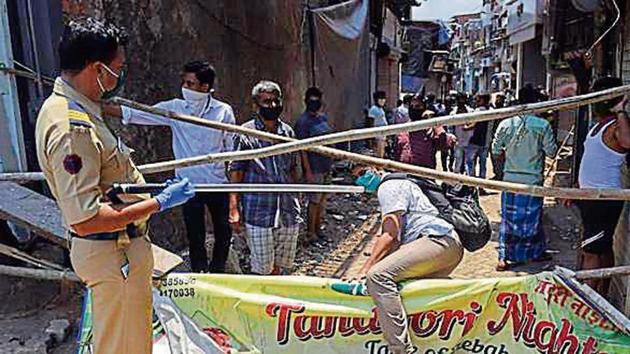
point(589, 52)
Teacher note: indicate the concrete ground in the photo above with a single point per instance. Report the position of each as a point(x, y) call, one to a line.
point(561, 227)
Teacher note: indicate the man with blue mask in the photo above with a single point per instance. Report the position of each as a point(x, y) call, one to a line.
point(414, 242)
point(197, 80)
point(369, 179)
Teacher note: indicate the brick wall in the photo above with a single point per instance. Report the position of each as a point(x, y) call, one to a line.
point(246, 41)
point(388, 79)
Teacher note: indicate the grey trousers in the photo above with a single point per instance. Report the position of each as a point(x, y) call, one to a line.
point(426, 257)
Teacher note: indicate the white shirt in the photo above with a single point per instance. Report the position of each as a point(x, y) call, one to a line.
point(463, 136)
point(419, 216)
point(601, 165)
point(378, 114)
point(401, 114)
point(192, 140)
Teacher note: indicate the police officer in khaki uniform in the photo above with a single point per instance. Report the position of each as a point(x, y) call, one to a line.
point(81, 159)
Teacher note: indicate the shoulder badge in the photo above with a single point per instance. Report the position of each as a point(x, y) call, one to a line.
point(79, 119)
point(77, 116)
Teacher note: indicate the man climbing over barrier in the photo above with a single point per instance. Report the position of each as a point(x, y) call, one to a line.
point(414, 243)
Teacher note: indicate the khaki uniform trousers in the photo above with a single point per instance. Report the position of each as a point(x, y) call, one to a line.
point(122, 308)
point(426, 257)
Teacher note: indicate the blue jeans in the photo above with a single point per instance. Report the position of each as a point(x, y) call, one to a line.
point(459, 159)
point(474, 152)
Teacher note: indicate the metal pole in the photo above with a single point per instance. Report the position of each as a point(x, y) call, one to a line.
point(581, 129)
point(311, 39)
point(243, 188)
point(40, 87)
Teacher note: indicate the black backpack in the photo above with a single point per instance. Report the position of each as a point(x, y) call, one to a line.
point(458, 205)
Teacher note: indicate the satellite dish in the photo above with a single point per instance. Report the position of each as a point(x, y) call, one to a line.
point(587, 5)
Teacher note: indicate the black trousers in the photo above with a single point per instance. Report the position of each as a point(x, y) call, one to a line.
point(194, 217)
point(599, 218)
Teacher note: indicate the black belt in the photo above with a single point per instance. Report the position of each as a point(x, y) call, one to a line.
point(132, 231)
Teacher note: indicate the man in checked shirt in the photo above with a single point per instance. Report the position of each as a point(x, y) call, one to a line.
point(271, 219)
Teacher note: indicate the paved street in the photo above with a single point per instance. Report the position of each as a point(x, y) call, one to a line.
point(560, 228)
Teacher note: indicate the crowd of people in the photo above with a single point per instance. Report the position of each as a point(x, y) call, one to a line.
point(270, 221)
point(111, 252)
point(517, 148)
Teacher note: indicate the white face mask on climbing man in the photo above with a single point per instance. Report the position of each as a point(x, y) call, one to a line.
point(195, 99)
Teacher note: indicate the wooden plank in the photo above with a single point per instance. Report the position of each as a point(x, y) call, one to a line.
point(41, 274)
point(164, 261)
point(24, 257)
point(41, 215)
point(32, 211)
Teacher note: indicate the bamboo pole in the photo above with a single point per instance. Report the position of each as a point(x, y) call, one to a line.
point(241, 188)
point(24, 257)
point(40, 274)
point(540, 191)
point(313, 145)
point(593, 299)
point(556, 158)
point(33, 76)
point(21, 177)
point(603, 273)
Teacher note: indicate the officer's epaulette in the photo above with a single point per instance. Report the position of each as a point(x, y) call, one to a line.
point(77, 116)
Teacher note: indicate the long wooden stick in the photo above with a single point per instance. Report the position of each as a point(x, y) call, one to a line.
point(41, 274)
point(25, 257)
point(603, 273)
point(593, 299)
point(566, 193)
point(44, 79)
point(241, 188)
point(21, 177)
point(312, 144)
point(557, 157)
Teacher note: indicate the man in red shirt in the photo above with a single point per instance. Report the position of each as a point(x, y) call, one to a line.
point(419, 147)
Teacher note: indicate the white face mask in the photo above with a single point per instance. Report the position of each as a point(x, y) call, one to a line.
point(197, 100)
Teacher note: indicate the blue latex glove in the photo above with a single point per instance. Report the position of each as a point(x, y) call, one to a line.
point(177, 193)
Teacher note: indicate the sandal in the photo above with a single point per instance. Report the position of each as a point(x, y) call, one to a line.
point(502, 266)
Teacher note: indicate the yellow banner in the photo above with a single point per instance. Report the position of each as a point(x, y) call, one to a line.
point(291, 315)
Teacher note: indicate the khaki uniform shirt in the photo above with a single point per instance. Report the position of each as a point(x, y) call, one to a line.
point(79, 156)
